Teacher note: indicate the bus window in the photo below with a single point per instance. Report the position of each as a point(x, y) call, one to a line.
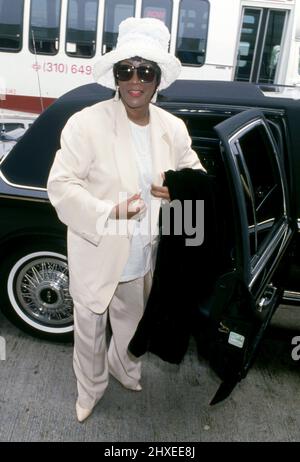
point(248, 40)
point(115, 12)
point(82, 28)
point(159, 9)
point(11, 25)
point(260, 44)
point(192, 31)
point(44, 26)
point(247, 46)
point(271, 48)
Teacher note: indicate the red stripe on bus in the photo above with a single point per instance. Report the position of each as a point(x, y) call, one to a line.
point(25, 103)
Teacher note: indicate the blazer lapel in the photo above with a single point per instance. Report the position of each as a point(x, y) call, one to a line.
point(160, 145)
point(124, 151)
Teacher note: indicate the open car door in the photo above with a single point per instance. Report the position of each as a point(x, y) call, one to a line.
point(246, 298)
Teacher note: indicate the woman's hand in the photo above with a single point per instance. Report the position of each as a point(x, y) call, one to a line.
point(161, 192)
point(129, 208)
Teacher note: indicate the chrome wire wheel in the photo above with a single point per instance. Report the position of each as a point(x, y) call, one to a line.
point(38, 289)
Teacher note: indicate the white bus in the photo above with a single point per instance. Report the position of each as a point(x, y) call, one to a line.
point(48, 47)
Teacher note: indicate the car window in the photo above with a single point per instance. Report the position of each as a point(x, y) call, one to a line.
point(261, 182)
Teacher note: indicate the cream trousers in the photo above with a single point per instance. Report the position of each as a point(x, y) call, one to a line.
point(93, 359)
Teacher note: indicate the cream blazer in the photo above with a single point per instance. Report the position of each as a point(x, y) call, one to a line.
point(95, 164)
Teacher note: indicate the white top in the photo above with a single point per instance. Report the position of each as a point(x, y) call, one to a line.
point(138, 263)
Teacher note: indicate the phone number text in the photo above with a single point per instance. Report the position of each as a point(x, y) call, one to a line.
point(63, 68)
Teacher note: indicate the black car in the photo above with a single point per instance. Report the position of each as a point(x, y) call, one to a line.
point(248, 141)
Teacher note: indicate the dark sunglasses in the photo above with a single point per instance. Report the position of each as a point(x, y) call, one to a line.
point(124, 72)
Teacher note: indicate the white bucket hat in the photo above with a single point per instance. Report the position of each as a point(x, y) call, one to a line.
point(147, 38)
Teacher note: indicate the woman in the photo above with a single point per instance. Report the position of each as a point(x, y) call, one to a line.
point(106, 185)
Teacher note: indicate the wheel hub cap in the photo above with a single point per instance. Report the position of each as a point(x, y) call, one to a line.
point(42, 287)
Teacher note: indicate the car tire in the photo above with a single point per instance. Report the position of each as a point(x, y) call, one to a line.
point(34, 290)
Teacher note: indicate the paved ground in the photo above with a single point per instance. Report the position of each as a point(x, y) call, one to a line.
point(37, 395)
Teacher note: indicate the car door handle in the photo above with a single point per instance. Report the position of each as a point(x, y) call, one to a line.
point(267, 297)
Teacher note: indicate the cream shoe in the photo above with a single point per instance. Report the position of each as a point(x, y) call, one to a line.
point(82, 413)
point(137, 387)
